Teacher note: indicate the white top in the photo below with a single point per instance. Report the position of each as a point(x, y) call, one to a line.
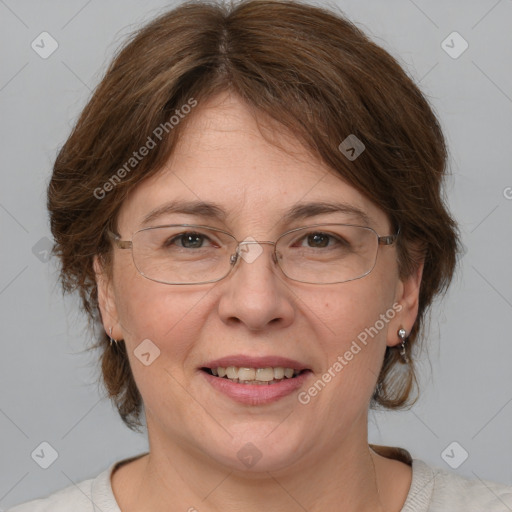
point(432, 490)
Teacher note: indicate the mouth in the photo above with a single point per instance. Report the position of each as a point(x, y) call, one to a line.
point(255, 380)
point(254, 376)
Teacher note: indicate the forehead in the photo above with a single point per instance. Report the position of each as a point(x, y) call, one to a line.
point(253, 170)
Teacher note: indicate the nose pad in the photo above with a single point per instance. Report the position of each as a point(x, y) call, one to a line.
point(249, 250)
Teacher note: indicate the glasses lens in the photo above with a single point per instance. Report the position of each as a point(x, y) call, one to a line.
point(182, 254)
point(327, 254)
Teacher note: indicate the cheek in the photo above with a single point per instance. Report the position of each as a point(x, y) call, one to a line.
point(350, 308)
point(354, 320)
point(167, 317)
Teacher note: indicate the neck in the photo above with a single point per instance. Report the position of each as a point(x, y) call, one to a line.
point(175, 476)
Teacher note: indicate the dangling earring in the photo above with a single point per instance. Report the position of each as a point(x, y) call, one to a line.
point(402, 336)
point(112, 340)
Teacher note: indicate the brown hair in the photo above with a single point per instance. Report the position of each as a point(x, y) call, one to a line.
point(311, 70)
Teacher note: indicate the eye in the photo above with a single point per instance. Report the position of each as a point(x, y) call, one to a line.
point(318, 239)
point(321, 240)
point(188, 240)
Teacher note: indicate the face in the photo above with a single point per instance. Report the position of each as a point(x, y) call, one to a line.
point(255, 317)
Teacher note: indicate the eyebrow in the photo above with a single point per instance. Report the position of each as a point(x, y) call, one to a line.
point(297, 212)
point(306, 210)
point(197, 208)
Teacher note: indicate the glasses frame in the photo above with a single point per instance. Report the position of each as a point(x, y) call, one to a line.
point(235, 257)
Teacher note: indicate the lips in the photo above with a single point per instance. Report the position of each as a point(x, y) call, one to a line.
point(244, 361)
point(255, 380)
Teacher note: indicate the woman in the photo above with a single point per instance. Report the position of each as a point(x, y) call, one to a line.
point(251, 206)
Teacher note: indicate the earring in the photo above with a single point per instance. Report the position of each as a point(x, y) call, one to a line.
point(402, 336)
point(112, 340)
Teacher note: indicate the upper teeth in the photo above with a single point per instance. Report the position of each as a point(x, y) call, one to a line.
point(257, 374)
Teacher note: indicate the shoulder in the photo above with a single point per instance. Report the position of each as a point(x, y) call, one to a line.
point(84, 496)
point(78, 497)
point(440, 490)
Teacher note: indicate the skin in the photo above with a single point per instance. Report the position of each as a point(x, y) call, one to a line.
point(314, 456)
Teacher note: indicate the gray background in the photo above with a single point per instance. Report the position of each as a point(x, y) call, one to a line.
point(48, 385)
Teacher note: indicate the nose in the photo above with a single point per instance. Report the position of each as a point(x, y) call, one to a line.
point(254, 294)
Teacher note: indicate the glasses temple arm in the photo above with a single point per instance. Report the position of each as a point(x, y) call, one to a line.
point(122, 244)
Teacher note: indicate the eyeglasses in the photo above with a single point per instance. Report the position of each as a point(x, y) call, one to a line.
point(193, 254)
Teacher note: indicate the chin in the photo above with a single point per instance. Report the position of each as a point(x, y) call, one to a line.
point(257, 449)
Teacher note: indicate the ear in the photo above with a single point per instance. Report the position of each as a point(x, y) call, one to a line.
point(407, 301)
point(106, 300)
